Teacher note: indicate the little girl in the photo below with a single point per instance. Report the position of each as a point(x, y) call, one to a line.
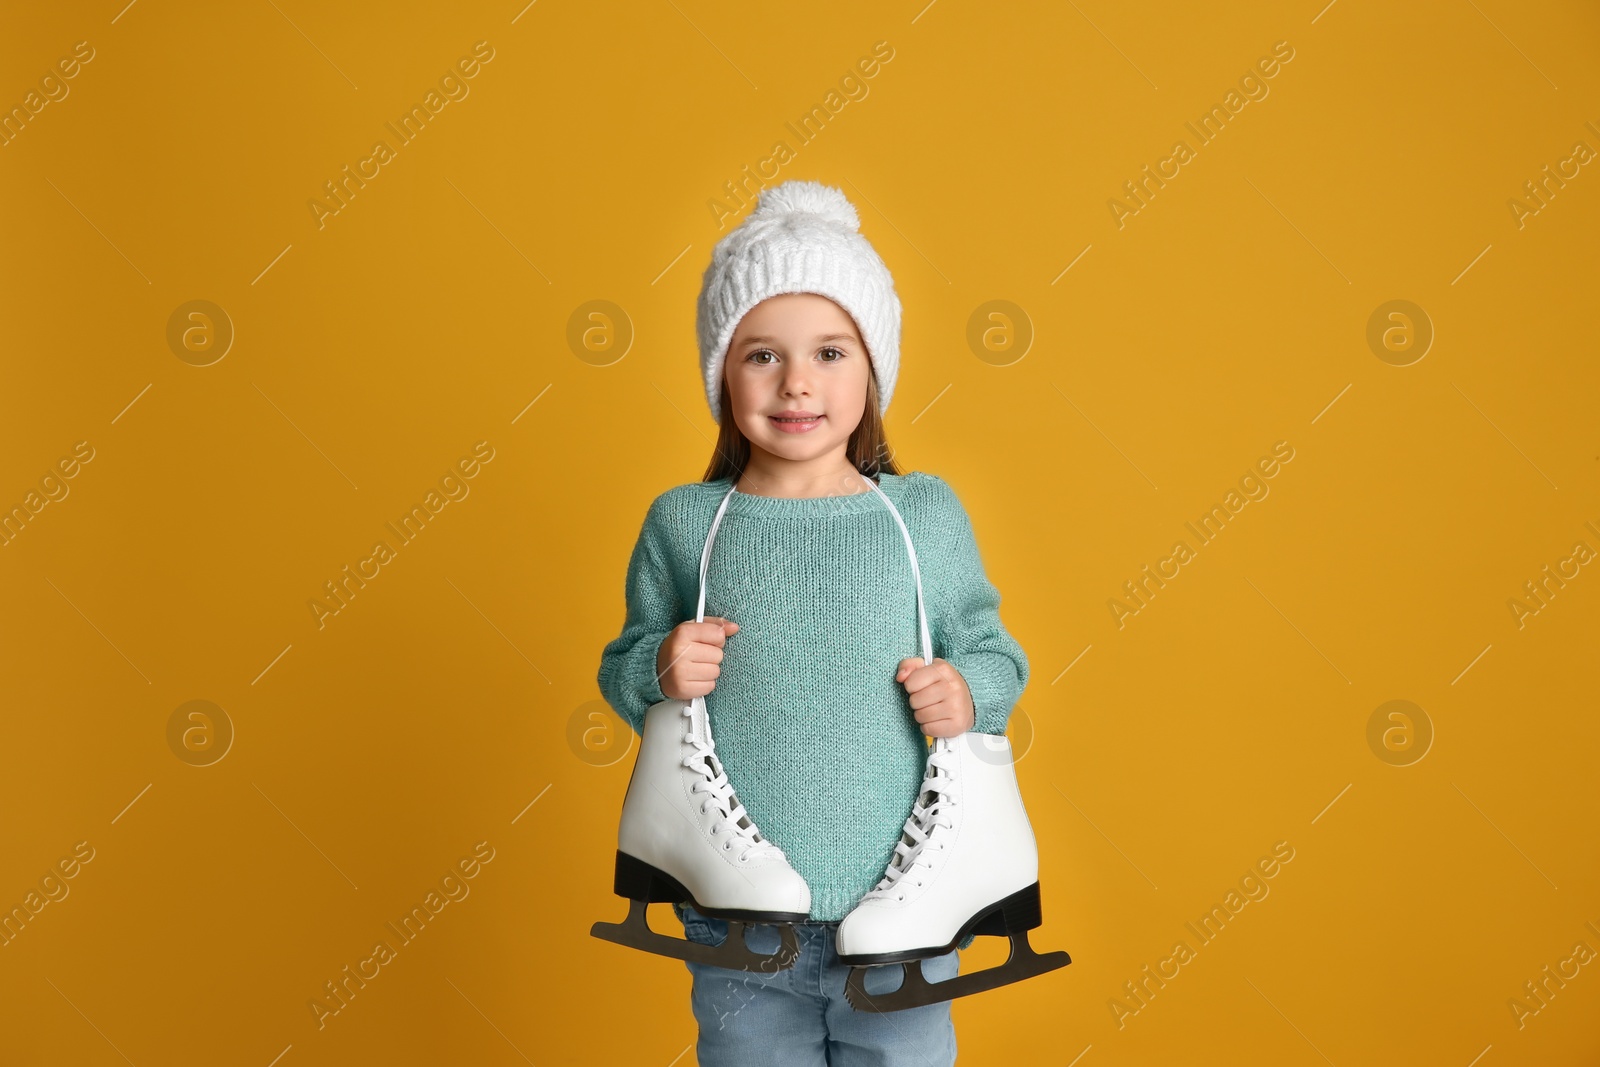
point(818, 706)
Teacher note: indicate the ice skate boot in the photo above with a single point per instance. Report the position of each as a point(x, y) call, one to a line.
point(686, 839)
point(966, 864)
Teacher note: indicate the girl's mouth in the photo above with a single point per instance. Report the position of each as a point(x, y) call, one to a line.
point(793, 425)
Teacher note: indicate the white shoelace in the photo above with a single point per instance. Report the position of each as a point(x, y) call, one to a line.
point(730, 811)
point(909, 852)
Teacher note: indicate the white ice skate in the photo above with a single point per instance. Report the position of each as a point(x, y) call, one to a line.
point(966, 863)
point(686, 838)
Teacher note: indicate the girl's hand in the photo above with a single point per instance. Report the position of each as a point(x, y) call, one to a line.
point(940, 699)
point(686, 663)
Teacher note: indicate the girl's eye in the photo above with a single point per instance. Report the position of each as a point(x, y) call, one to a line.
point(758, 356)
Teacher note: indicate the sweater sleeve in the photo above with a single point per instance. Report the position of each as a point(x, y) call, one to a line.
point(628, 678)
point(964, 615)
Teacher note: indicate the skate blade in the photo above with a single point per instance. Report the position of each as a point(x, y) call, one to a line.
point(916, 991)
point(733, 953)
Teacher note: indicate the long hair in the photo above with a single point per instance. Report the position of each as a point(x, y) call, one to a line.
point(867, 450)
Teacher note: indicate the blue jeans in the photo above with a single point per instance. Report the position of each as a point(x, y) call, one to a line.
point(798, 1017)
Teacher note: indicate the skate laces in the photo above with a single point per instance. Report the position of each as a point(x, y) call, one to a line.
point(926, 817)
point(732, 815)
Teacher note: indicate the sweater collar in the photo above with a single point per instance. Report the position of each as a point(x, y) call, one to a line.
point(810, 507)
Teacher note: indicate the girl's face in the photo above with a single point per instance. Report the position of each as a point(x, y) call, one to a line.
point(797, 374)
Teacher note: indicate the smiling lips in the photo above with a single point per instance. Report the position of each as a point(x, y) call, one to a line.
point(796, 421)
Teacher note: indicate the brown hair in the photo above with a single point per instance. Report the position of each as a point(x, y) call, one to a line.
point(867, 450)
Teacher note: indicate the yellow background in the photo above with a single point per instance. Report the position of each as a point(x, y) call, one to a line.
point(438, 709)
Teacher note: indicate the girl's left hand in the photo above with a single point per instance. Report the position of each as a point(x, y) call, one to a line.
point(940, 699)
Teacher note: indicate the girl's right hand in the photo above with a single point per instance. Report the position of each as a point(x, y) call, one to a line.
point(687, 661)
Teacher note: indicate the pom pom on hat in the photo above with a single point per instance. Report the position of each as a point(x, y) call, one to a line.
point(802, 237)
point(811, 197)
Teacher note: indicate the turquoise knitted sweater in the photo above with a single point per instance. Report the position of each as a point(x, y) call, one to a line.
point(817, 737)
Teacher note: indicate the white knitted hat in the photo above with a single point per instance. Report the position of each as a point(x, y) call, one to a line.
point(802, 237)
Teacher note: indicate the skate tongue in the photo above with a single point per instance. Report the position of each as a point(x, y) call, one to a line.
point(699, 722)
point(930, 811)
point(733, 816)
